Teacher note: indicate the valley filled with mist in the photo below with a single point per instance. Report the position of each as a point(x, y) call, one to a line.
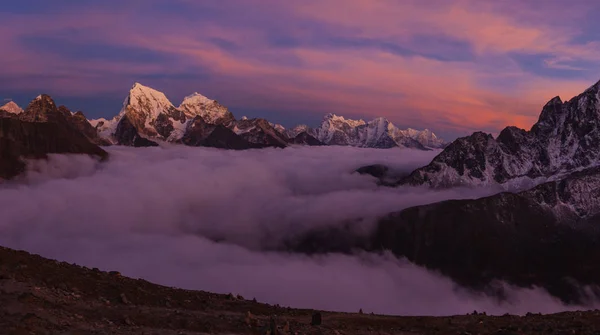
point(216, 220)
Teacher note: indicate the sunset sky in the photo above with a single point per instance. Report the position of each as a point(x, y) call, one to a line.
point(450, 66)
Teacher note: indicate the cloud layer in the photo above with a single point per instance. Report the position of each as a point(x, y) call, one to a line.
point(452, 66)
point(156, 213)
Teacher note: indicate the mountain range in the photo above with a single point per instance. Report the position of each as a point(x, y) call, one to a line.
point(148, 117)
point(541, 229)
point(565, 138)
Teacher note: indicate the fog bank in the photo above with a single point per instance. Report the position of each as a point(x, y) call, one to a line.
point(155, 212)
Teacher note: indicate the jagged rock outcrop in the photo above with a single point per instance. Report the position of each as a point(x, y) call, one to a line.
point(127, 134)
point(201, 133)
point(21, 140)
point(566, 137)
point(44, 109)
point(305, 138)
point(80, 122)
point(295, 131)
point(384, 175)
point(260, 133)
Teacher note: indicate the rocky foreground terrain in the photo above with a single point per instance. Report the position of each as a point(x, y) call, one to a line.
point(42, 296)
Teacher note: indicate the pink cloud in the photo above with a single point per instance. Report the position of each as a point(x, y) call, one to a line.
point(364, 82)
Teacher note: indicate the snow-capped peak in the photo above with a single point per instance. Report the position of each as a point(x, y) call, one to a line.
point(140, 94)
point(378, 133)
point(12, 107)
point(195, 99)
point(210, 110)
point(336, 118)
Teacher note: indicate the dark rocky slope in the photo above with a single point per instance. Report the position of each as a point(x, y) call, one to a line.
point(200, 133)
point(127, 134)
point(305, 138)
point(260, 133)
point(34, 140)
point(40, 130)
point(41, 296)
point(547, 236)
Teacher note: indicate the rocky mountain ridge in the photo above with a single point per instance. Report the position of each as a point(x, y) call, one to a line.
point(155, 118)
point(148, 117)
point(377, 133)
point(42, 129)
point(565, 138)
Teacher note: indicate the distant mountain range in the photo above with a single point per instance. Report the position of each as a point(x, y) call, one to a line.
point(148, 117)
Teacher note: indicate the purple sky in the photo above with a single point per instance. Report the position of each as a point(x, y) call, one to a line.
point(451, 66)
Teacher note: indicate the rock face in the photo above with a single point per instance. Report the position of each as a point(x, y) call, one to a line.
point(43, 109)
point(260, 133)
point(385, 177)
point(305, 138)
point(127, 134)
point(201, 133)
point(49, 133)
point(566, 137)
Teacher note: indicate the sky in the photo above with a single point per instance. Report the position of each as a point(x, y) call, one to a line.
point(453, 66)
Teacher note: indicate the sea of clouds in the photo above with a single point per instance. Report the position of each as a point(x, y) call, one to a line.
point(155, 213)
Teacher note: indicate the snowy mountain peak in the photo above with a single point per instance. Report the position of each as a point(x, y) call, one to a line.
point(377, 133)
point(210, 110)
point(140, 94)
point(336, 118)
point(196, 98)
point(12, 107)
